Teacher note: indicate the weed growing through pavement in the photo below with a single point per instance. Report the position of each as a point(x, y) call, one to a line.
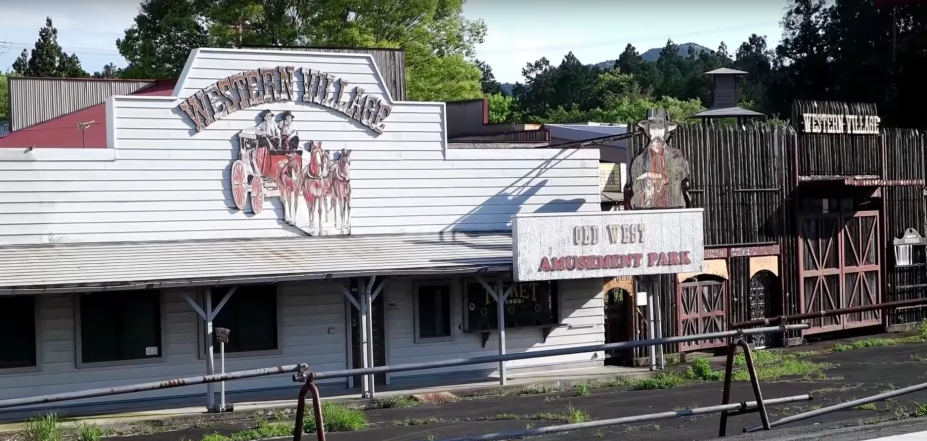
point(416, 422)
point(867, 406)
point(701, 370)
point(337, 418)
point(263, 430)
point(392, 402)
point(89, 432)
point(580, 390)
point(663, 380)
point(44, 428)
point(774, 365)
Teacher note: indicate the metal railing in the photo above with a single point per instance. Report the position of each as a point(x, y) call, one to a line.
point(726, 408)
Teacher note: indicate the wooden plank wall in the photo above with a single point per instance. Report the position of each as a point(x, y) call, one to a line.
point(903, 208)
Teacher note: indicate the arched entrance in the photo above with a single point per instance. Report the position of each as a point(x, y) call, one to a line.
point(619, 309)
point(764, 301)
point(701, 302)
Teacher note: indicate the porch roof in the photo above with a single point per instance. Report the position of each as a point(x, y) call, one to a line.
point(65, 268)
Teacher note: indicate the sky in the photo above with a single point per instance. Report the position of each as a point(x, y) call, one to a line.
point(518, 31)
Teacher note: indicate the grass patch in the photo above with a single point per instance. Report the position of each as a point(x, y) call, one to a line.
point(918, 358)
point(44, 428)
point(337, 418)
point(416, 422)
point(263, 430)
point(867, 406)
point(774, 365)
point(89, 432)
point(572, 416)
point(919, 337)
point(580, 390)
point(702, 371)
point(392, 402)
point(663, 380)
point(506, 416)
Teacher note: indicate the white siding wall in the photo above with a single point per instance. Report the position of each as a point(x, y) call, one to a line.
point(306, 312)
point(581, 318)
point(163, 181)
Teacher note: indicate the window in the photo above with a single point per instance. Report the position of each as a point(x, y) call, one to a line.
point(17, 332)
point(433, 312)
point(251, 317)
point(120, 326)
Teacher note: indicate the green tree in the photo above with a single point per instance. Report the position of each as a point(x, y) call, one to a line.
point(109, 71)
point(488, 82)
point(501, 108)
point(629, 62)
point(242, 23)
point(47, 59)
point(433, 34)
point(448, 78)
point(160, 40)
point(4, 97)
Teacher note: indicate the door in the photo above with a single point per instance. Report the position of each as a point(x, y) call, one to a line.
point(839, 268)
point(379, 339)
point(700, 307)
point(861, 268)
point(763, 297)
point(618, 313)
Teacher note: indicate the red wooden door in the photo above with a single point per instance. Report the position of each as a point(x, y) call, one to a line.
point(861, 275)
point(701, 310)
point(839, 263)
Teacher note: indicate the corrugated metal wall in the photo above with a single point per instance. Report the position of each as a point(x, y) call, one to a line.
point(36, 100)
point(390, 62)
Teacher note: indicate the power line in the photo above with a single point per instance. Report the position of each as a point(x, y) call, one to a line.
point(605, 43)
point(84, 50)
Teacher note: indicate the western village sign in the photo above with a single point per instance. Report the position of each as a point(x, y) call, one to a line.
point(250, 88)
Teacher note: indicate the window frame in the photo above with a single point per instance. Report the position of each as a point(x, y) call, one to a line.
point(203, 348)
point(37, 322)
point(78, 343)
point(556, 292)
point(451, 294)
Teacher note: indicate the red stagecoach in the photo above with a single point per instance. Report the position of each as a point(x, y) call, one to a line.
point(254, 170)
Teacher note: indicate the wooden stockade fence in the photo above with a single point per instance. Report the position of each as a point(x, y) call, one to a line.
point(751, 180)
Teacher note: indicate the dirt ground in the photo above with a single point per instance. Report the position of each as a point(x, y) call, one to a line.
point(858, 373)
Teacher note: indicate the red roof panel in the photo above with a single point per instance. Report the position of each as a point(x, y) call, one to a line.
point(62, 132)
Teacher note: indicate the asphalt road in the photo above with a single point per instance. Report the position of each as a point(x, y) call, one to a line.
point(859, 373)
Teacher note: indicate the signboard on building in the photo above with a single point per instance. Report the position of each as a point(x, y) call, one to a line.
point(607, 244)
point(529, 305)
point(840, 124)
point(4, 128)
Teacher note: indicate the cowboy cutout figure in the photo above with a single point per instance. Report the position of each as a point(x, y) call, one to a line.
point(659, 176)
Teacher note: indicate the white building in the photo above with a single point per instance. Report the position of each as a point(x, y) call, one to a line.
point(108, 255)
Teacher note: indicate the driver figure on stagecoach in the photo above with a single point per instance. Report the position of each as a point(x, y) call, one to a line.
point(268, 138)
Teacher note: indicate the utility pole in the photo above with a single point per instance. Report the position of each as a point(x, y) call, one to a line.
point(239, 30)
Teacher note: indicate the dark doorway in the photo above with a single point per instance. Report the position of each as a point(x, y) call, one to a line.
point(764, 303)
point(619, 308)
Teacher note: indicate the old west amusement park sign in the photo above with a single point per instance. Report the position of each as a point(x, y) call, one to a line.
point(313, 185)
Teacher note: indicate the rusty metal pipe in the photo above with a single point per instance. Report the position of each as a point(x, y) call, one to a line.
point(625, 420)
point(553, 352)
point(301, 410)
point(812, 315)
point(132, 388)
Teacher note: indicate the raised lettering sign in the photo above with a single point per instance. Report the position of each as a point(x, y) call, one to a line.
point(607, 244)
point(247, 89)
point(840, 124)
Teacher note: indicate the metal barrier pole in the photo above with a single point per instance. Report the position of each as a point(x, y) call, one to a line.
point(745, 407)
point(754, 381)
point(843, 406)
point(301, 407)
point(166, 384)
point(554, 352)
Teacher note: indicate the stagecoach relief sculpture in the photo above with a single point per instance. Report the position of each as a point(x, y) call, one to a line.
point(314, 189)
point(659, 175)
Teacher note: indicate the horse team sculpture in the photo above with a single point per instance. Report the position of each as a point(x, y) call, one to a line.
point(272, 164)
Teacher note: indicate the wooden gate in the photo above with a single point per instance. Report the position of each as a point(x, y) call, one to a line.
point(839, 262)
point(701, 309)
